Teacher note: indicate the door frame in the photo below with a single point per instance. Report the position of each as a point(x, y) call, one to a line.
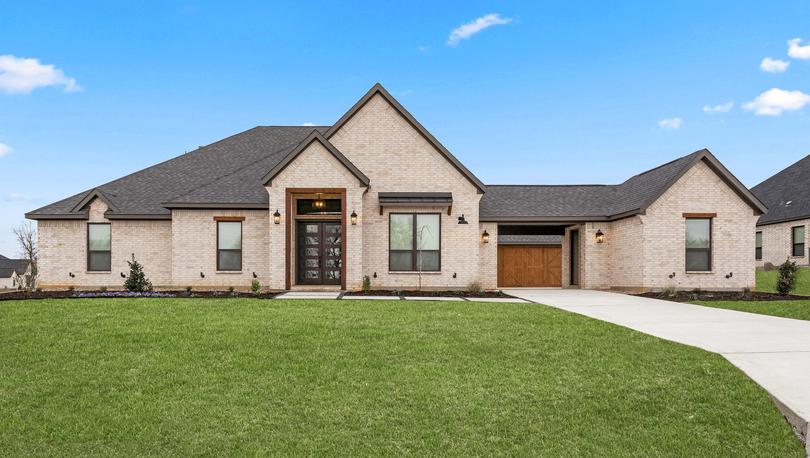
point(322, 235)
point(290, 221)
point(573, 258)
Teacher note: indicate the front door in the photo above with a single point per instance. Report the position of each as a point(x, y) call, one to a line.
point(319, 257)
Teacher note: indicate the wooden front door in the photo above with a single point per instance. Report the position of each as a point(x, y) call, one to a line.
point(318, 260)
point(530, 266)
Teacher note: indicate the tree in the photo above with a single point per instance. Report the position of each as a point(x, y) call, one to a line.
point(26, 235)
point(136, 280)
point(786, 277)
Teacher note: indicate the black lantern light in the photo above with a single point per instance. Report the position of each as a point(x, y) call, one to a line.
point(462, 220)
point(600, 236)
point(354, 218)
point(485, 236)
point(276, 217)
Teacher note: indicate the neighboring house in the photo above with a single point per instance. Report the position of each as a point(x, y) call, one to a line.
point(12, 272)
point(781, 233)
point(377, 195)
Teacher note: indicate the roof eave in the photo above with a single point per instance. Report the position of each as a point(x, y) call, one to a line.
point(48, 216)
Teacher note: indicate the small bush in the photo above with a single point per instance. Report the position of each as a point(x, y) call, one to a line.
point(366, 283)
point(746, 292)
point(71, 288)
point(39, 290)
point(103, 289)
point(255, 286)
point(136, 280)
point(669, 291)
point(474, 288)
point(697, 291)
point(230, 289)
point(188, 289)
point(786, 277)
point(769, 267)
point(397, 292)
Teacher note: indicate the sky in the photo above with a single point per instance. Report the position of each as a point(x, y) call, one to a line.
point(521, 92)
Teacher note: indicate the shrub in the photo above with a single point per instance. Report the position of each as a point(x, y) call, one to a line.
point(255, 286)
point(71, 288)
point(669, 291)
point(366, 284)
point(746, 291)
point(786, 277)
point(769, 267)
point(230, 290)
point(474, 288)
point(188, 289)
point(103, 289)
point(136, 280)
point(39, 290)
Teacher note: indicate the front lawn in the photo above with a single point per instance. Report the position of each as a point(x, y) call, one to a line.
point(248, 377)
point(799, 310)
point(766, 281)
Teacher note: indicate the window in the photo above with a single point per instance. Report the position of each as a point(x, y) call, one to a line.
point(698, 244)
point(414, 242)
point(758, 249)
point(307, 206)
point(798, 241)
point(99, 247)
point(229, 245)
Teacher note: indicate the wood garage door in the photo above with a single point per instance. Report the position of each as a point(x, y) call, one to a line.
point(520, 265)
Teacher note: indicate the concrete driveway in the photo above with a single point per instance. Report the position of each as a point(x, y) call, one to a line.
point(774, 352)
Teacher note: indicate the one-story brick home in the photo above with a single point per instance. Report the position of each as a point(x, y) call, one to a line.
point(781, 233)
point(12, 272)
point(377, 195)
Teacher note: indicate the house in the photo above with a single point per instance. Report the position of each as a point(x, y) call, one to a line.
point(377, 195)
point(12, 272)
point(780, 233)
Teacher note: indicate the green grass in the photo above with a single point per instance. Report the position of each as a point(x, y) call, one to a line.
point(247, 377)
point(766, 281)
point(799, 310)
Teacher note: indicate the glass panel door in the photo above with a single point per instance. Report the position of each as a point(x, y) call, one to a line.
point(319, 248)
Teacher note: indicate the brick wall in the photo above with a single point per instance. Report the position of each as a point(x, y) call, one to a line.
point(777, 243)
point(63, 250)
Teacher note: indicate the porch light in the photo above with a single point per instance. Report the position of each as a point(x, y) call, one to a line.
point(485, 236)
point(276, 217)
point(462, 220)
point(354, 218)
point(319, 204)
point(600, 236)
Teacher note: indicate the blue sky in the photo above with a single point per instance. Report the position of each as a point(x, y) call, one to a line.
point(550, 92)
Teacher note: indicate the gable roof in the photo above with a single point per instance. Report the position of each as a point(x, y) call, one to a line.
point(379, 89)
point(787, 194)
point(599, 202)
point(315, 136)
point(9, 266)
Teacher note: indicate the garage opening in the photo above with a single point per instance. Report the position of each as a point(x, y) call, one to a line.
point(530, 256)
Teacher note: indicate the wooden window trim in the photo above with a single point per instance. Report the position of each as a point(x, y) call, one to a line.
point(699, 215)
point(229, 250)
point(711, 242)
point(89, 251)
point(414, 249)
point(229, 219)
point(793, 243)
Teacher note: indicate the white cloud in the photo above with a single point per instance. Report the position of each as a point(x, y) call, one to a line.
point(797, 51)
point(774, 101)
point(21, 76)
point(19, 197)
point(423, 48)
point(670, 123)
point(722, 108)
point(773, 65)
point(4, 149)
point(308, 124)
point(469, 29)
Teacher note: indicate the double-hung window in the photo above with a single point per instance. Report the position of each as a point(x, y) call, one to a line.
point(414, 242)
point(229, 245)
point(99, 247)
point(698, 244)
point(758, 246)
point(798, 241)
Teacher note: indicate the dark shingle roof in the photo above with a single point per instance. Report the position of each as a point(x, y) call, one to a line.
point(227, 171)
point(596, 202)
point(787, 194)
point(9, 266)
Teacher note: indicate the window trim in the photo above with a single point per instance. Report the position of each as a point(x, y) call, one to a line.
point(758, 249)
point(89, 251)
point(230, 250)
point(711, 243)
point(414, 249)
point(793, 243)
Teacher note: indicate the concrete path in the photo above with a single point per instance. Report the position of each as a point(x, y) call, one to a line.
point(773, 351)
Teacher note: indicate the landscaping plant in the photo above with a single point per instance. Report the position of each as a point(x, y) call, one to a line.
point(786, 277)
point(136, 280)
point(255, 286)
point(366, 284)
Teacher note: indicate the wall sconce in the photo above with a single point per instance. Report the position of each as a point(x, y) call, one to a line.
point(455, 275)
point(122, 275)
point(254, 275)
point(485, 236)
point(462, 220)
point(202, 275)
point(375, 275)
point(354, 218)
point(730, 274)
point(71, 275)
point(276, 217)
point(600, 236)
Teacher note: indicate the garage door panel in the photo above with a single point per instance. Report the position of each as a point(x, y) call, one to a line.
point(529, 266)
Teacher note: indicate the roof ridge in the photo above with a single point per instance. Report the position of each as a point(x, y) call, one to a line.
point(552, 185)
point(781, 172)
point(700, 151)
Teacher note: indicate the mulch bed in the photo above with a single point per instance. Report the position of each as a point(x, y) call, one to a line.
point(393, 293)
point(22, 295)
point(691, 296)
